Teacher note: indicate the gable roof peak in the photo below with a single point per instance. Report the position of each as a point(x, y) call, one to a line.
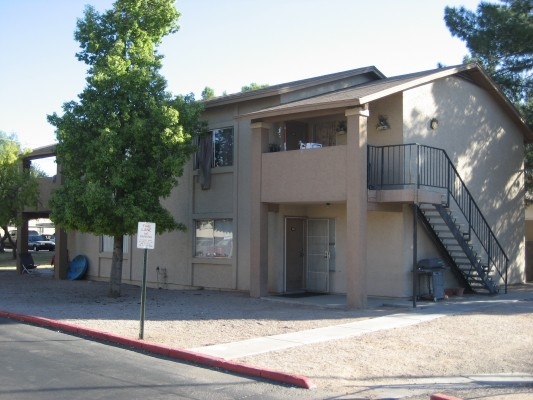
point(371, 71)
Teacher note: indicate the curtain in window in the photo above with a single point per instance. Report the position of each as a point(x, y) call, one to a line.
point(205, 156)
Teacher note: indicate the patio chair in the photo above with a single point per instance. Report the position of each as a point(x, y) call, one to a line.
point(27, 263)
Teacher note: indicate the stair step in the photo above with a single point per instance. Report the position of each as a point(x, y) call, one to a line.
point(455, 247)
point(434, 215)
point(459, 255)
point(462, 256)
point(448, 239)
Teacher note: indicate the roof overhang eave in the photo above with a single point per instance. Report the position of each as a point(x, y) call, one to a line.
point(302, 109)
point(40, 152)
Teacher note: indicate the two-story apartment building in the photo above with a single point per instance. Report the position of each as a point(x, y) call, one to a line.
point(340, 184)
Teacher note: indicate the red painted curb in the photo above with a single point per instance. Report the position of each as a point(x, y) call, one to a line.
point(440, 396)
point(197, 358)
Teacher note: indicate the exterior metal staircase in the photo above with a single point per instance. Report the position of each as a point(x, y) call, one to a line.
point(456, 223)
point(456, 242)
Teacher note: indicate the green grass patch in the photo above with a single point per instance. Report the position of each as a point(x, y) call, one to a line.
point(39, 257)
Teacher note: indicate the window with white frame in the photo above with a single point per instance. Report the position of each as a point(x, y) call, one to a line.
point(106, 244)
point(214, 238)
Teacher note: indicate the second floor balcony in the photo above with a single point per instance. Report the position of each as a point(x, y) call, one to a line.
point(310, 175)
point(395, 174)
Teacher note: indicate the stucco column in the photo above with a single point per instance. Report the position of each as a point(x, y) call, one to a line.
point(61, 255)
point(22, 240)
point(356, 207)
point(61, 261)
point(258, 214)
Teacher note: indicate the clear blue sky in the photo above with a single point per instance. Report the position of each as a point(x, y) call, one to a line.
point(224, 44)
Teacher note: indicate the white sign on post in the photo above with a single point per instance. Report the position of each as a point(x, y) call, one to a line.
point(146, 235)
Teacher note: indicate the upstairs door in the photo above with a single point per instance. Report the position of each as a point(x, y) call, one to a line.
point(295, 132)
point(317, 271)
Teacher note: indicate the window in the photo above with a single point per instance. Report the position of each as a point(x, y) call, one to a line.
point(216, 148)
point(214, 238)
point(106, 244)
point(222, 147)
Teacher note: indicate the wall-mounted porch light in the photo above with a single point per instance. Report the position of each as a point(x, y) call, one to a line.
point(383, 123)
point(340, 129)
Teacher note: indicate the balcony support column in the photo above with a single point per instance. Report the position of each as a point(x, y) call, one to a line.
point(258, 214)
point(356, 207)
point(22, 240)
point(61, 258)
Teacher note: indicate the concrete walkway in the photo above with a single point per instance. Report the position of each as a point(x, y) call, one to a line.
point(425, 311)
point(250, 347)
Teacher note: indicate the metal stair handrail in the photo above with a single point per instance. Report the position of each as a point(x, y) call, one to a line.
point(419, 165)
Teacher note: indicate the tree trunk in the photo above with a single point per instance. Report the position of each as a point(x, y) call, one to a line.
point(7, 237)
point(116, 266)
point(3, 239)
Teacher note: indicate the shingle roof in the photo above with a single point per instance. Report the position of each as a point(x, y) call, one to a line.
point(359, 94)
point(374, 90)
point(292, 86)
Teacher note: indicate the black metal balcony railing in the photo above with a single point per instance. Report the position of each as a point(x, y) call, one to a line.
point(419, 166)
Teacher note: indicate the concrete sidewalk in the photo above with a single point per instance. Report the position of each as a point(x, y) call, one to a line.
point(255, 346)
point(425, 311)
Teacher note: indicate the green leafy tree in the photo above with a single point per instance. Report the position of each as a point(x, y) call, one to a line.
point(190, 112)
point(253, 86)
point(123, 146)
point(19, 187)
point(499, 37)
point(208, 93)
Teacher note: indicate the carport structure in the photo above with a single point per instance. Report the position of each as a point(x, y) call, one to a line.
point(42, 210)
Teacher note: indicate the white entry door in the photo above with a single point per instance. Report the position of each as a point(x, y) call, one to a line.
point(317, 276)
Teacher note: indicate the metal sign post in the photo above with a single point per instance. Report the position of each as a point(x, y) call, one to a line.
point(145, 240)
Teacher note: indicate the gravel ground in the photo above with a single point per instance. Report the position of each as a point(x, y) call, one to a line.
point(407, 362)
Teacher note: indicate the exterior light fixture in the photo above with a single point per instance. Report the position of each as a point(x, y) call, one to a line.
point(383, 123)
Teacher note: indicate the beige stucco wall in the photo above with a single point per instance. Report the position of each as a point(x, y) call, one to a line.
point(390, 253)
point(390, 107)
point(485, 146)
point(46, 186)
point(387, 269)
point(286, 175)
